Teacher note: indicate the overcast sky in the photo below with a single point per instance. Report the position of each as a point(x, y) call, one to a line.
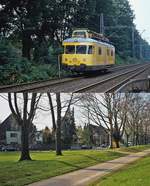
point(142, 13)
point(42, 118)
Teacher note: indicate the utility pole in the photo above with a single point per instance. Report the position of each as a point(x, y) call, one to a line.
point(141, 50)
point(102, 23)
point(141, 45)
point(133, 42)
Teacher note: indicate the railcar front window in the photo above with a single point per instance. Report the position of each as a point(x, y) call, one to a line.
point(81, 49)
point(70, 50)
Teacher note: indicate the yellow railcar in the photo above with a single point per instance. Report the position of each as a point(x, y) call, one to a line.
point(86, 54)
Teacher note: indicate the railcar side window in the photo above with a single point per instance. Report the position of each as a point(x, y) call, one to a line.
point(100, 51)
point(70, 49)
point(90, 50)
point(112, 53)
point(108, 52)
point(81, 49)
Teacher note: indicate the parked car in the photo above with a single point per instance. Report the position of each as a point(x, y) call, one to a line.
point(103, 146)
point(9, 148)
point(86, 147)
point(75, 147)
point(1, 148)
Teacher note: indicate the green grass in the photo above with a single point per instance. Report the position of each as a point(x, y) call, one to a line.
point(134, 149)
point(46, 165)
point(136, 174)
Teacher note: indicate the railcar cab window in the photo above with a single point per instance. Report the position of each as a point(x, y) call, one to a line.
point(70, 49)
point(81, 49)
point(79, 34)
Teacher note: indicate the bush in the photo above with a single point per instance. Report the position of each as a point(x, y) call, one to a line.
point(8, 53)
point(15, 69)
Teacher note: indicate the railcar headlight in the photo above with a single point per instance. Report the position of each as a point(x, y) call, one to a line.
point(75, 60)
point(66, 59)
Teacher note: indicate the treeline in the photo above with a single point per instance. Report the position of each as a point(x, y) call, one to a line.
point(123, 118)
point(37, 28)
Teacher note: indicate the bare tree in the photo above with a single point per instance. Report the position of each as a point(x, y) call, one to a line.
point(135, 109)
point(24, 116)
point(110, 111)
point(56, 114)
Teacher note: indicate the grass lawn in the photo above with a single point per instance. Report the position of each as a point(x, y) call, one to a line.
point(134, 149)
point(137, 174)
point(46, 165)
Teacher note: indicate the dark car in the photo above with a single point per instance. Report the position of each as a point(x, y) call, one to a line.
point(9, 148)
point(86, 147)
point(1, 148)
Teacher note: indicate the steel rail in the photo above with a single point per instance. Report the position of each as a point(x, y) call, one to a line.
point(117, 86)
point(88, 87)
point(36, 85)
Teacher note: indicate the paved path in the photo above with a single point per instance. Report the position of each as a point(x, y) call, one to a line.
point(88, 175)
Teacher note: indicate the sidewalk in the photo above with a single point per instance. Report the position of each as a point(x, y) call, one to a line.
point(88, 175)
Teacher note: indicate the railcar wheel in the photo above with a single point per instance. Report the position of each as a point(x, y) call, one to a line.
point(105, 70)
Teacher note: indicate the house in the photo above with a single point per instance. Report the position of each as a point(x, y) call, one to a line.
point(10, 132)
point(98, 135)
point(39, 137)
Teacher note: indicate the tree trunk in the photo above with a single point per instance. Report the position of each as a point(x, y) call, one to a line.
point(58, 141)
point(26, 45)
point(58, 129)
point(111, 140)
point(127, 140)
point(117, 143)
point(25, 154)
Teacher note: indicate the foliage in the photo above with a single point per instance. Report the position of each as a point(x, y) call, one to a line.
point(22, 71)
point(68, 129)
point(47, 138)
point(16, 69)
point(8, 53)
point(52, 21)
point(38, 28)
point(86, 135)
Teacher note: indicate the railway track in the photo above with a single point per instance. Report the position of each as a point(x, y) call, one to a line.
point(112, 82)
point(35, 85)
point(42, 85)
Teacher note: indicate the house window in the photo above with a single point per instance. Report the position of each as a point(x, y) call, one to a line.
point(13, 135)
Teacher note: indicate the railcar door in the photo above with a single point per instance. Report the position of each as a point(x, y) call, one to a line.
point(107, 55)
point(100, 55)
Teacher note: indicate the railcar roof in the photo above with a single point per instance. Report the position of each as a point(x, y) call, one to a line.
point(83, 40)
